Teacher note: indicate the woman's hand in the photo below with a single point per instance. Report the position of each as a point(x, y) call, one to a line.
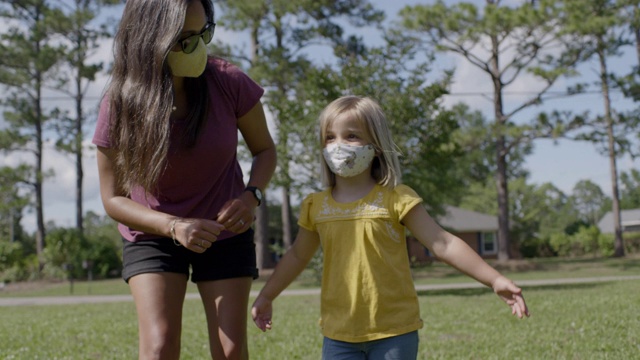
point(512, 295)
point(196, 235)
point(236, 214)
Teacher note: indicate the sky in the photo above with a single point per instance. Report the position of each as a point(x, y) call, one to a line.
point(562, 163)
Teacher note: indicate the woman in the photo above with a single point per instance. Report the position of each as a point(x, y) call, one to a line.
point(167, 135)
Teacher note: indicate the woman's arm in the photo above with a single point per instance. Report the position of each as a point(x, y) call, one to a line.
point(195, 234)
point(255, 132)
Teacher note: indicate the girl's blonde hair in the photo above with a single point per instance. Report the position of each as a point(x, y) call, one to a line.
point(386, 166)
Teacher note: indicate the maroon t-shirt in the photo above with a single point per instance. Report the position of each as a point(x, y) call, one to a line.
point(200, 179)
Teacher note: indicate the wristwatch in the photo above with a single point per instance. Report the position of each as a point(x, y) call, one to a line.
point(257, 193)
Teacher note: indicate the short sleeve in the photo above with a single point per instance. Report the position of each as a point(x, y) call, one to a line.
point(405, 199)
point(242, 91)
point(305, 220)
point(101, 134)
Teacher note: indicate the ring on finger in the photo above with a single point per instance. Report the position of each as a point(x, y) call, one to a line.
point(241, 222)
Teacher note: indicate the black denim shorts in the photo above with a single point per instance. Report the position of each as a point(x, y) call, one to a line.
point(229, 258)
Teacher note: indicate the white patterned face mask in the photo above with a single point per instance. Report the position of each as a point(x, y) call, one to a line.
point(348, 160)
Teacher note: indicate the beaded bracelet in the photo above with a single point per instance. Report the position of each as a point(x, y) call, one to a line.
point(173, 232)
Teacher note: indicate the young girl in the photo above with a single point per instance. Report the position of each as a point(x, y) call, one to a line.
point(369, 306)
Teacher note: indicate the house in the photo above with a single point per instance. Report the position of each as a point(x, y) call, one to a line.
point(476, 229)
point(629, 219)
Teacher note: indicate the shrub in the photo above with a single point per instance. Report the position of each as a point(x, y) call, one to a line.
point(632, 242)
point(537, 247)
point(10, 254)
point(25, 269)
point(605, 244)
point(587, 240)
point(561, 244)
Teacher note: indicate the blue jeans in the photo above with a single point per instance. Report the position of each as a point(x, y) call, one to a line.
point(401, 347)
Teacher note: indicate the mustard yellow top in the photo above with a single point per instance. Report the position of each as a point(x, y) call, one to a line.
point(367, 289)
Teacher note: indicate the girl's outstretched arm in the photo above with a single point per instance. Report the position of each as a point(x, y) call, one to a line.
point(289, 267)
point(455, 252)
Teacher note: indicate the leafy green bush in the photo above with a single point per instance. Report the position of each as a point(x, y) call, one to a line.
point(605, 244)
point(561, 244)
point(632, 242)
point(26, 269)
point(587, 240)
point(69, 254)
point(62, 253)
point(533, 247)
point(16, 264)
point(10, 253)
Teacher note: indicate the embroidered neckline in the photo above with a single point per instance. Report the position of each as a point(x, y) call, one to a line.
point(330, 197)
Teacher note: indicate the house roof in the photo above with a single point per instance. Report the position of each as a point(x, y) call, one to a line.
point(461, 220)
point(628, 219)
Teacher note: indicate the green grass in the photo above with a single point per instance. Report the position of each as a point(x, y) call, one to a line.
point(593, 321)
point(437, 273)
point(568, 322)
point(534, 269)
point(583, 321)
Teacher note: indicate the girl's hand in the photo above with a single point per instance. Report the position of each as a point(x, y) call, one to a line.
point(196, 235)
point(512, 295)
point(236, 214)
point(261, 313)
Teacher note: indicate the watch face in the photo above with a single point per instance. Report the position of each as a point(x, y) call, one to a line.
point(257, 193)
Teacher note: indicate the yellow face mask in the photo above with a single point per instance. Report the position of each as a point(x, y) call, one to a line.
point(188, 65)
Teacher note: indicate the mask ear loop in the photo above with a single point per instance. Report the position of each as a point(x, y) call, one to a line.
point(377, 150)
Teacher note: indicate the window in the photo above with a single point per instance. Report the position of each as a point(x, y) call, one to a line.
point(488, 243)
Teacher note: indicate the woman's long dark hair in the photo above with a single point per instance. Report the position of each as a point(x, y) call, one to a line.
point(141, 90)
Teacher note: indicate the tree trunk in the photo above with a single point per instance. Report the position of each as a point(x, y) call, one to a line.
point(39, 177)
point(78, 153)
point(261, 237)
point(40, 229)
point(613, 168)
point(504, 252)
point(287, 238)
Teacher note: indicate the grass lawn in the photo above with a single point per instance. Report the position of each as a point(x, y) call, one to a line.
point(598, 321)
point(583, 321)
point(437, 273)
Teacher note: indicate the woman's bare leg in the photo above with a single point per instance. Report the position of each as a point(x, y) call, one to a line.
point(226, 303)
point(159, 298)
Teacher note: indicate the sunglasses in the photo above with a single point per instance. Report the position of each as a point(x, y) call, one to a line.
point(190, 43)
